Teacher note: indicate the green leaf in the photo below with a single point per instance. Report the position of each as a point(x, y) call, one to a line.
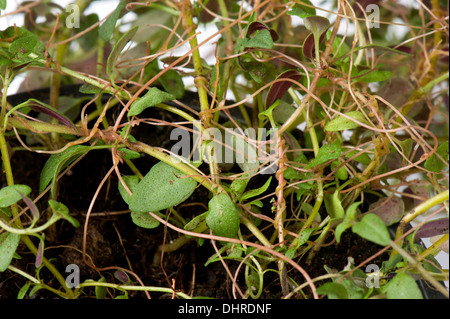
point(326, 153)
point(341, 228)
point(107, 28)
point(340, 123)
point(341, 172)
point(89, 39)
point(246, 155)
point(316, 24)
point(373, 76)
point(153, 97)
point(302, 11)
point(61, 209)
point(354, 289)
point(261, 39)
point(57, 162)
point(11, 194)
point(23, 291)
point(100, 291)
point(362, 158)
point(238, 186)
point(131, 181)
point(115, 53)
point(434, 163)
point(403, 286)
point(223, 218)
point(173, 83)
point(164, 186)
point(333, 205)
point(2, 4)
point(126, 153)
point(8, 246)
point(372, 228)
point(144, 220)
point(197, 224)
point(302, 239)
point(257, 191)
point(333, 290)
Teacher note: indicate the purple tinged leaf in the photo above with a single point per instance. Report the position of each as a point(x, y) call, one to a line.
point(121, 276)
point(403, 48)
point(390, 209)
point(433, 228)
point(34, 210)
point(309, 46)
point(255, 26)
point(39, 106)
point(317, 25)
point(278, 89)
point(39, 253)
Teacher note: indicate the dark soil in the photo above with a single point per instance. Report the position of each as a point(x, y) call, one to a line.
point(114, 241)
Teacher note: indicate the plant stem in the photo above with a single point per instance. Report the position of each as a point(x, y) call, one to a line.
point(141, 147)
point(418, 210)
point(28, 231)
point(434, 247)
point(200, 81)
point(419, 267)
point(134, 288)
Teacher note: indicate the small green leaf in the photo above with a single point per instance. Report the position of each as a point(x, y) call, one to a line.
point(173, 83)
point(434, 163)
point(197, 224)
point(63, 210)
point(333, 290)
point(257, 191)
point(57, 162)
point(223, 218)
point(126, 153)
point(100, 291)
point(302, 239)
point(164, 186)
point(372, 228)
point(373, 76)
point(362, 158)
point(352, 211)
point(340, 123)
point(153, 97)
point(144, 220)
point(107, 28)
point(8, 246)
point(246, 155)
point(115, 53)
point(341, 228)
point(262, 39)
point(341, 172)
point(131, 181)
point(11, 194)
point(333, 205)
point(326, 153)
point(2, 4)
point(316, 24)
point(403, 286)
point(23, 291)
point(302, 11)
point(238, 186)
